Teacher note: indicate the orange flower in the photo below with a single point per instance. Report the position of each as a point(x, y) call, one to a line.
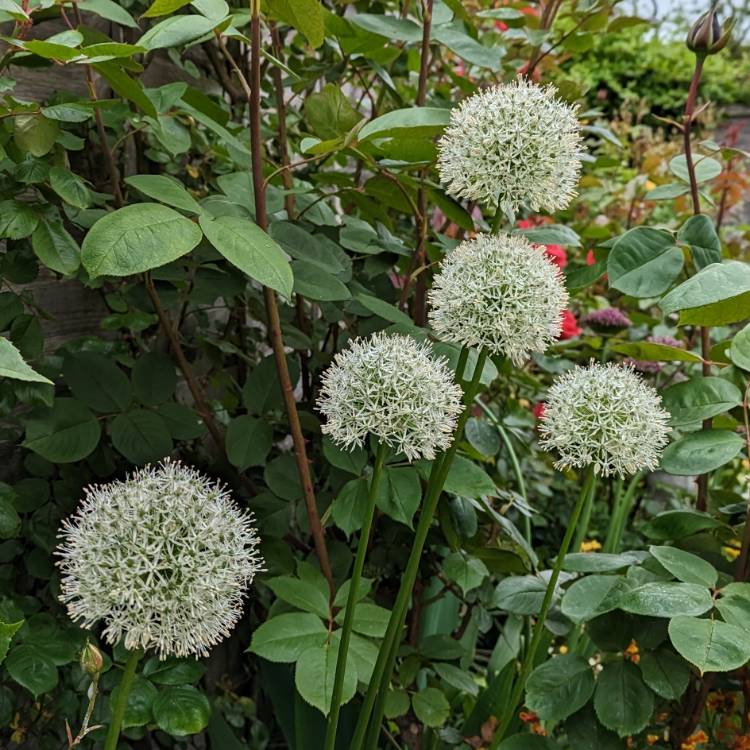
point(632, 653)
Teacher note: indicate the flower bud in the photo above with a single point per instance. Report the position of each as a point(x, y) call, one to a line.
point(707, 36)
point(92, 661)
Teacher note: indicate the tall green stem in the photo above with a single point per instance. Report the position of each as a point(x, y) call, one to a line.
point(123, 691)
point(536, 638)
point(386, 656)
point(589, 490)
point(620, 513)
point(351, 600)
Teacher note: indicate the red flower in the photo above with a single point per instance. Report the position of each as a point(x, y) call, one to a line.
point(590, 259)
point(557, 255)
point(570, 327)
point(538, 410)
point(525, 223)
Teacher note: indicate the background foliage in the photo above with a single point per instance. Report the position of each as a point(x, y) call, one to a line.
point(128, 182)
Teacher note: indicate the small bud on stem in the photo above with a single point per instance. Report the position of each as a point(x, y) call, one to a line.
point(707, 36)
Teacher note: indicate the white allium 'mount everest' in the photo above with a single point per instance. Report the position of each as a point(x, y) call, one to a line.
point(498, 292)
point(604, 415)
point(163, 558)
point(512, 145)
point(393, 387)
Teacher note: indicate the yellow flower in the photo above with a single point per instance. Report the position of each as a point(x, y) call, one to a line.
point(632, 652)
point(563, 649)
point(732, 550)
point(590, 545)
point(652, 739)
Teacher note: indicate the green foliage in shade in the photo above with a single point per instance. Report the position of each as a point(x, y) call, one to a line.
point(559, 687)
point(137, 238)
point(623, 703)
point(181, 710)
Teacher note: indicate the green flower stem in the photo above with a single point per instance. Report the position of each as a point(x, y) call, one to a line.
point(388, 649)
point(536, 638)
point(118, 712)
point(621, 511)
point(588, 489)
point(351, 601)
point(515, 463)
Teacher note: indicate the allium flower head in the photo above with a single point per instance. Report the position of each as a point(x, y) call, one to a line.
point(162, 558)
point(498, 292)
point(607, 317)
point(393, 387)
point(604, 415)
point(512, 145)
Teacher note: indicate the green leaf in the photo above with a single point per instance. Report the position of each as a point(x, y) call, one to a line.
point(705, 168)
point(431, 707)
point(654, 352)
point(700, 234)
point(35, 134)
point(137, 238)
point(7, 631)
point(600, 562)
point(413, 122)
point(300, 594)
point(165, 190)
point(551, 234)
point(173, 671)
point(125, 86)
point(586, 733)
point(467, 479)
point(183, 423)
point(701, 452)
point(592, 596)
point(248, 442)
point(666, 599)
point(350, 461)
point(520, 595)
point(466, 571)
point(559, 687)
point(109, 10)
point(739, 350)
point(710, 645)
point(17, 220)
point(32, 669)
point(68, 112)
point(154, 378)
point(177, 31)
point(455, 38)
point(97, 381)
point(700, 398)
point(390, 27)
point(369, 619)
point(402, 494)
point(286, 637)
point(716, 295)
point(644, 262)
point(141, 436)
point(678, 524)
point(10, 521)
point(246, 246)
point(734, 604)
point(12, 365)
point(181, 710)
point(164, 7)
point(70, 187)
point(314, 282)
point(457, 678)
point(622, 701)
point(304, 15)
point(685, 566)
point(139, 707)
point(315, 673)
point(65, 433)
point(348, 509)
point(665, 673)
point(55, 248)
point(383, 309)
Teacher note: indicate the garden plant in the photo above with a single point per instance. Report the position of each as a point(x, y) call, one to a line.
point(373, 375)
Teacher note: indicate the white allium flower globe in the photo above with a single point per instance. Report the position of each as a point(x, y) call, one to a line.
point(604, 415)
point(162, 558)
point(394, 388)
point(498, 292)
point(512, 145)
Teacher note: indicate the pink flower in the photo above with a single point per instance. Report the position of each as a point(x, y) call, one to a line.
point(609, 317)
point(538, 410)
point(570, 327)
point(557, 255)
